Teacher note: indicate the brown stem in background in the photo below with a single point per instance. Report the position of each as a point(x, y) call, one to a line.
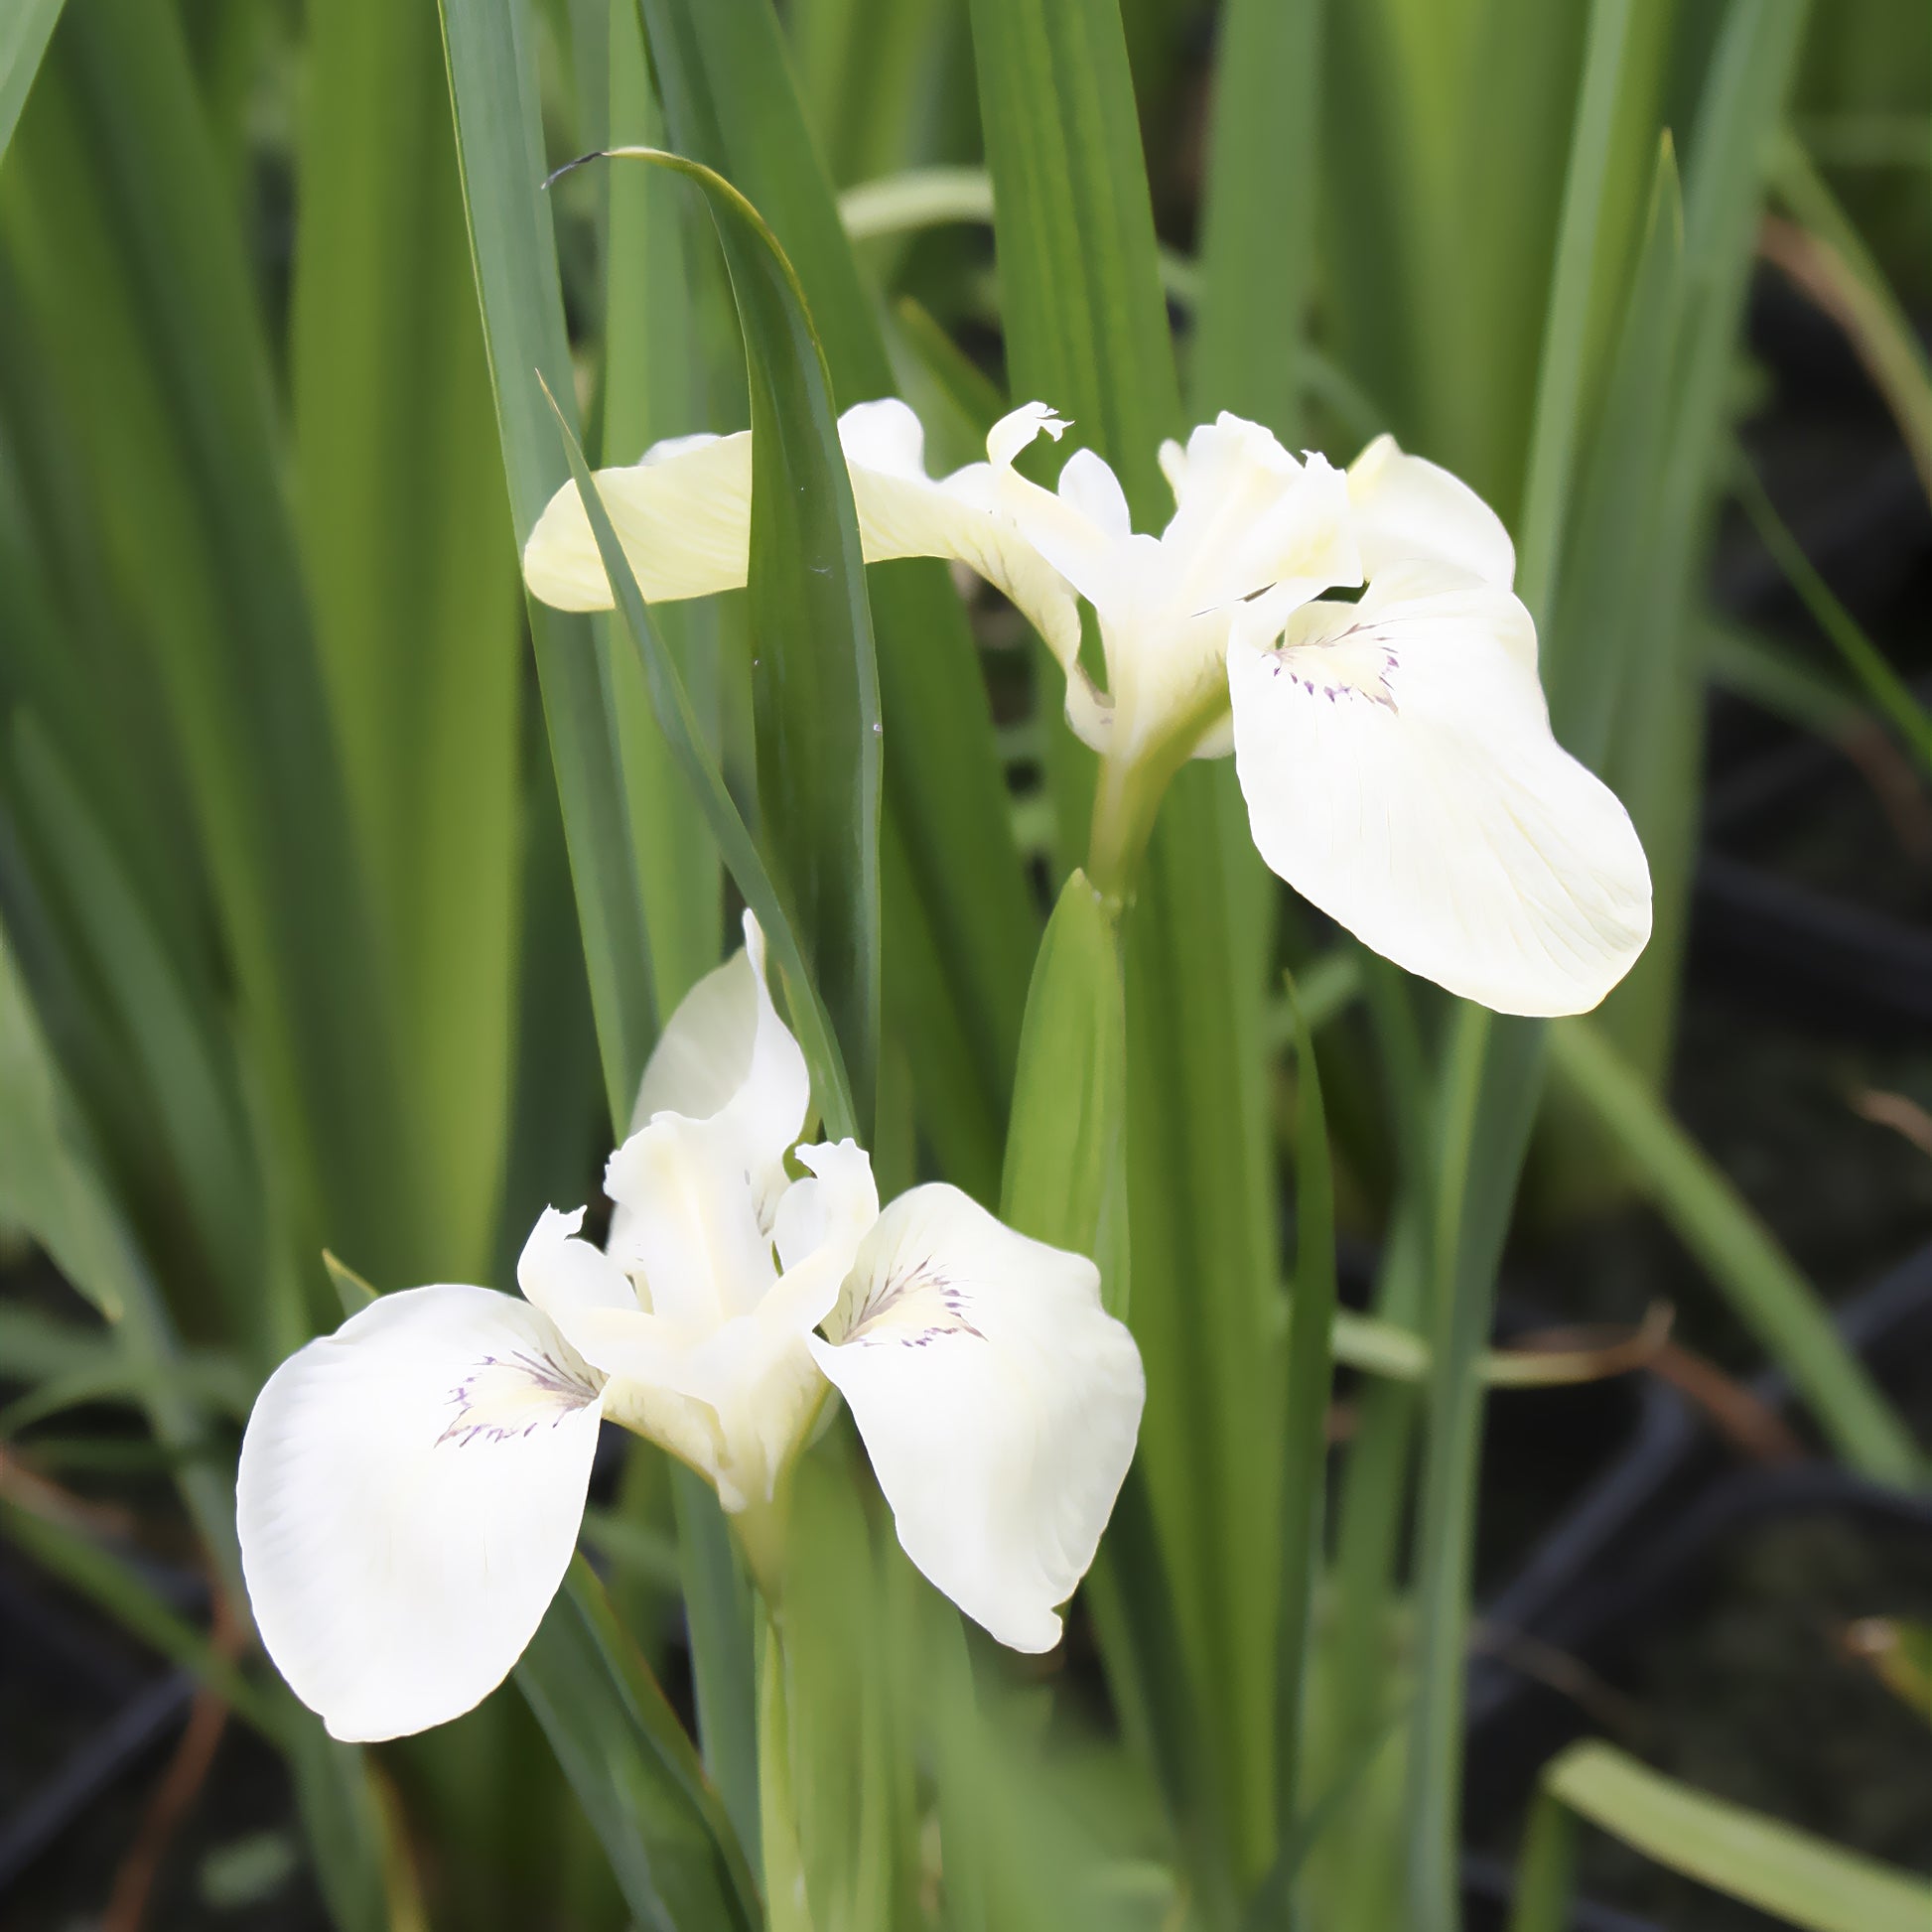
point(180, 1786)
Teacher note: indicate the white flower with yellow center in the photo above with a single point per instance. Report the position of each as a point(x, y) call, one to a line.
point(411, 1486)
point(1394, 749)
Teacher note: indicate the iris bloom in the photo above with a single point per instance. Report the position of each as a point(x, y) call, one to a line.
point(411, 1486)
point(1393, 747)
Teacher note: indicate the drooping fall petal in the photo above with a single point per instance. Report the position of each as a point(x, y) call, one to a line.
point(998, 1401)
point(1399, 772)
point(409, 1496)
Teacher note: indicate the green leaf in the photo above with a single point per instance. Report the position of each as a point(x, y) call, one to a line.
point(1888, 693)
point(1842, 275)
point(1543, 1872)
point(1655, 761)
point(23, 39)
point(1063, 1143)
point(1086, 327)
point(729, 101)
point(178, 1076)
point(814, 681)
point(405, 527)
point(1086, 331)
point(500, 147)
point(675, 718)
point(676, 1858)
point(849, 1786)
point(655, 385)
point(1788, 1873)
point(1305, 1461)
point(1756, 1275)
point(147, 314)
point(1258, 215)
point(1556, 424)
point(718, 1612)
point(1491, 1082)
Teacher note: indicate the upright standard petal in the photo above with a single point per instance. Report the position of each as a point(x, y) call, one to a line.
point(726, 1056)
point(1408, 510)
point(684, 517)
point(409, 1496)
point(1400, 774)
point(997, 1399)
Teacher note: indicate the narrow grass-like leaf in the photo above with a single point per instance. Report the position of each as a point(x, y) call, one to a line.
point(1836, 271)
point(1890, 695)
point(718, 1610)
point(149, 319)
point(1543, 1871)
point(814, 681)
point(1766, 1291)
point(500, 147)
point(679, 724)
point(859, 72)
point(1790, 1873)
point(729, 101)
point(1305, 1459)
point(1491, 1081)
point(655, 385)
point(1555, 425)
point(1086, 329)
point(23, 39)
point(676, 1858)
point(1654, 765)
point(404, 527)
point(1259, 208)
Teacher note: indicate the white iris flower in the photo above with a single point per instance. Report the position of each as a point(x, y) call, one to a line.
point(1394, 749)
point(411, 1486)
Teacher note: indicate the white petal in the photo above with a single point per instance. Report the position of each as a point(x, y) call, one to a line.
point(683, 516)
point(1407, 510)
point(693, 1235)
point(1399, 772)
point(1248, 515)
point(1019, 427)
point(725, 1054)
point(829, 1212)
point(565, 1276)
point(408, 1500)
point(998, 1401)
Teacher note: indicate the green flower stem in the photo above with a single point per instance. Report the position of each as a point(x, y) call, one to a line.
point(787, 1908)
point(1128, 796)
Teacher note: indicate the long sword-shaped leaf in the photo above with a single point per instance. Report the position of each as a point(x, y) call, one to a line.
point(1793, 1876)
point(490, 59)
point(1086, 331)
point(1653, 765)
point(23, 39)
point(1310, 1370)
point(809, 1019)
point(1258, 242)
point(729, 101)
point(152, 331)
point(676, 1858)
point(814, 681)
point(404, 525)
point(1491, 1082)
